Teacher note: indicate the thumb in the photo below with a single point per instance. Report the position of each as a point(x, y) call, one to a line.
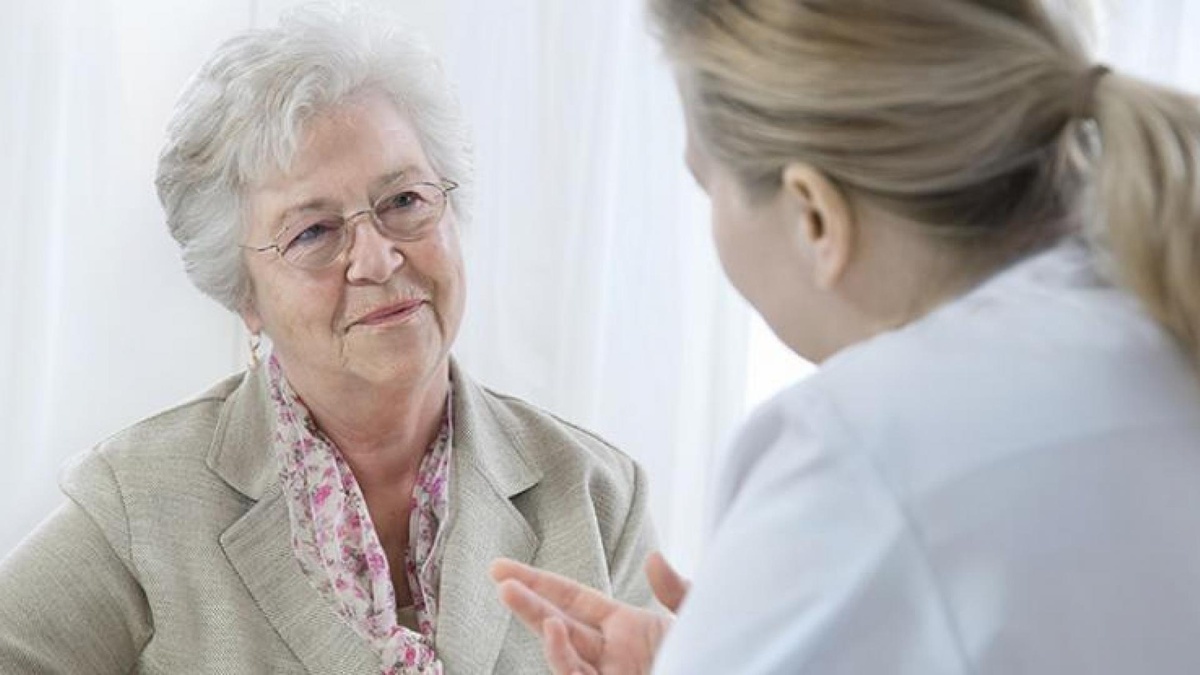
point(668, 586)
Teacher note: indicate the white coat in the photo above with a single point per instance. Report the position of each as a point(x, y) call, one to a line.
point(1008, 486)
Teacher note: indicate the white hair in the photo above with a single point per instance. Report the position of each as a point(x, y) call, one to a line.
point(242, 115)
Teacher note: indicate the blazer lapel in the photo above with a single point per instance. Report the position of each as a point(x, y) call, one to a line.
point(489, 469)
point(259, 548)
point(258, 545)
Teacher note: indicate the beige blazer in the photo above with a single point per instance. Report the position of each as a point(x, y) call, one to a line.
point(173, 553)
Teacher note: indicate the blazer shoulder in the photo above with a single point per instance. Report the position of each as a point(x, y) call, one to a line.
point(545, 435)
point(591, 495)
point(182, 431)
point(156, 455)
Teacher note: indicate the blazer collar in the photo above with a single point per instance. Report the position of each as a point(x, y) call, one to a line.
point(486, 440)
point(258, 546)
point(241, 452)
point(490, 467)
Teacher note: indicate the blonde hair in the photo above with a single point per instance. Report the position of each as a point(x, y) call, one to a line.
point(241, 118)
point(983, 120)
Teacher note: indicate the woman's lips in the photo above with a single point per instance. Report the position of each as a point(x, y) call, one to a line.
point(390, 314)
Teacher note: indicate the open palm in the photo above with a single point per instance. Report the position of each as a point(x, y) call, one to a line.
point(583, 631)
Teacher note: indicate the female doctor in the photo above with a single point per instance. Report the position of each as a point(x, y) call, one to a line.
point(991, 246)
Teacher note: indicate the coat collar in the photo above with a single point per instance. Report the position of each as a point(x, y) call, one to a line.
point(258, 546)
point(241, 452)
point(490, 467)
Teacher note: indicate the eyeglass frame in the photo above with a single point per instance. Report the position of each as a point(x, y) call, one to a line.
point(443, 185)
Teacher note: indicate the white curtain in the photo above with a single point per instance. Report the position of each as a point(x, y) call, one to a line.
point(99, 325)
point(593, 289)
point(1153, 39)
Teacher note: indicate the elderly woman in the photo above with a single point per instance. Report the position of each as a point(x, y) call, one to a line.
point(991, 245)
point(333, 509)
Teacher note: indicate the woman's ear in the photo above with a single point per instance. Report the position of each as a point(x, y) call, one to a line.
point(251, 317)
point(825, 221)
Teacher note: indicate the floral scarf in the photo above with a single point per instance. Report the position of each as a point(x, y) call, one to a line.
point(335, 543)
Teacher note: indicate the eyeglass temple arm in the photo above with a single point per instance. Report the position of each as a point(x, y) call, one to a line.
point(261, 249)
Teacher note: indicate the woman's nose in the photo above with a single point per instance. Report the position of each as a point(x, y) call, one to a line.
point(373, 257)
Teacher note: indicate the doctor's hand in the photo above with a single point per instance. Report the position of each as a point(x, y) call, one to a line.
point(583, 631)
point(669, 587)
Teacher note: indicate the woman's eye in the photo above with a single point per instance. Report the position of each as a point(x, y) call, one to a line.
point(403, 200)
point(313, 233)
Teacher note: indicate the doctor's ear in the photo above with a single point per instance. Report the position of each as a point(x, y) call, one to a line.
point(823, 219)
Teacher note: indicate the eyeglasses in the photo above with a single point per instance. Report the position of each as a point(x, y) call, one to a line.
point(314, 239)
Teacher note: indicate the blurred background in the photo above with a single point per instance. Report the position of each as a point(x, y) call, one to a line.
point(593, 288)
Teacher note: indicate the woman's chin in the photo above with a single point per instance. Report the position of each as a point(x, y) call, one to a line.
point(394, 363)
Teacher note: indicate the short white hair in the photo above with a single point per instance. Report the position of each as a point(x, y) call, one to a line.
point(242, 116)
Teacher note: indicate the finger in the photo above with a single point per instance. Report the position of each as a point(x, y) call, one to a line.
point(534, 611)
point(668, 585)
point(571, 597)
point(559, 651)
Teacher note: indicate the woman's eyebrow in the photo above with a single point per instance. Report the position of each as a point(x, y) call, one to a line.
point(326, 204)
point(393, 176)
point(314, 204)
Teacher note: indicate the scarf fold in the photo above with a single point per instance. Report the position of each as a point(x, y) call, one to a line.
point(335, 542)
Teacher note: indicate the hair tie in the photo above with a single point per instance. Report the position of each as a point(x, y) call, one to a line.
point(1085, 97)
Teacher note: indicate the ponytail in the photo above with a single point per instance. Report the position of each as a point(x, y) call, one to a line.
point(1148, 188)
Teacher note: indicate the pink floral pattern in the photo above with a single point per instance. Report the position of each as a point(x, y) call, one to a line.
point(335, 542)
